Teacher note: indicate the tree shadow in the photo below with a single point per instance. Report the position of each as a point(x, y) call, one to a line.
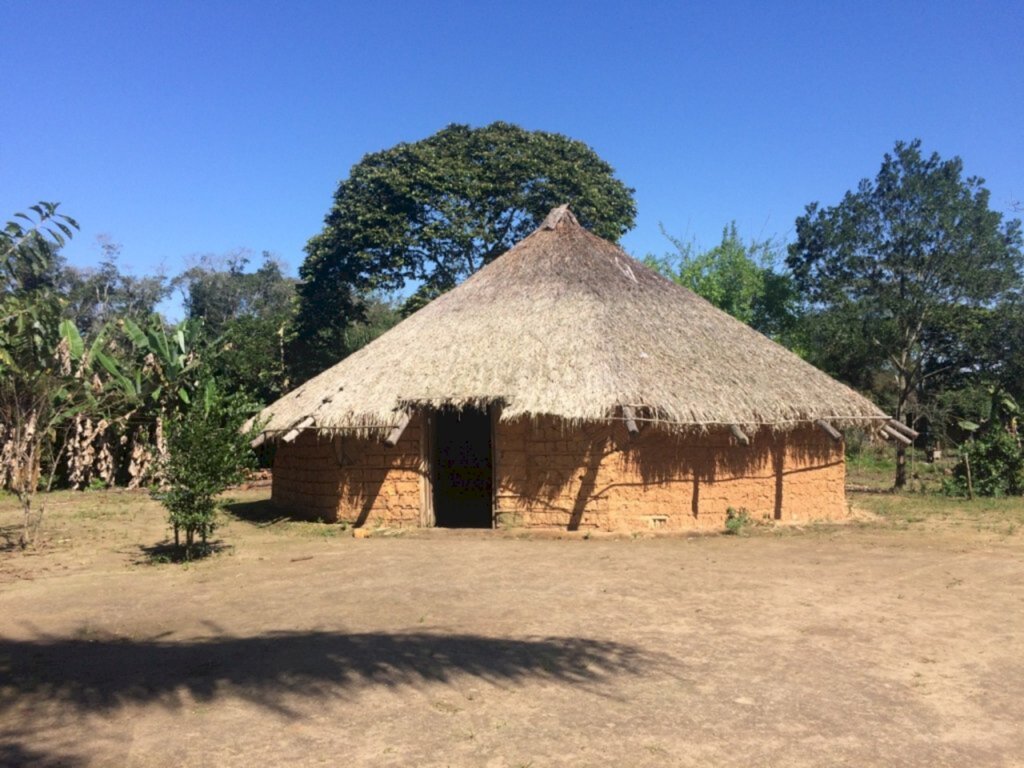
point(354, 470)
point(55, 676)
point(10, 539)
point(262, 513)
point(14, 753)
point(597, 462)
point(168, 552)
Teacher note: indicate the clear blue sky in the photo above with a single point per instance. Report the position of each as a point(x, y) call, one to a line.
point(183, 128)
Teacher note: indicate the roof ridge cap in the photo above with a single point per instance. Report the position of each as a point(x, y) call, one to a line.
point(559, 215)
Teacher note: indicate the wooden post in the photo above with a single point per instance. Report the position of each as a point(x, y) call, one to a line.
point(829, 430)
point(629, 416)
point(396, 432)
point(427, 519)
point(739, 434)
point(297, 429)
point(893, 434)
point(902, 428)
point(970, 485)
point(494, 411)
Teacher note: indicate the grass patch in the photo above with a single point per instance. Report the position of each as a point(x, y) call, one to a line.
point(874, 469)
point(906, 510)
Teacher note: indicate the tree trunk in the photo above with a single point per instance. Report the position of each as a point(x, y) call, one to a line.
point(905, 391)
point(901, 467)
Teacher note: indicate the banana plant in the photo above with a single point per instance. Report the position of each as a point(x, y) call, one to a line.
point(160, 371)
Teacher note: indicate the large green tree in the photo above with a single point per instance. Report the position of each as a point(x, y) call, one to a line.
point(426, 215)
point(899, 271)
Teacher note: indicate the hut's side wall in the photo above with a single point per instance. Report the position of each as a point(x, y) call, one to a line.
point(596, 478)
point(590, 478)
point(350, 479)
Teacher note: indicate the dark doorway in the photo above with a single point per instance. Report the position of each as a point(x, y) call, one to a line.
point(462, 469)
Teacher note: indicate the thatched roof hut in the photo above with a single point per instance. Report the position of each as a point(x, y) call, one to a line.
point(565, 324)
point(567, 328)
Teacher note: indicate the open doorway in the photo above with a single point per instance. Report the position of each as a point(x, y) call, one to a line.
point(462, 469)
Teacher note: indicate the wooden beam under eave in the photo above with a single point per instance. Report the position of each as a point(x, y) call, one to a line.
point(892, 433)
point(739, 434)
point(261, 438)
point(629, 416)
point(902, 428)
point(396, 432)
point(297, 429)
point(829, 430)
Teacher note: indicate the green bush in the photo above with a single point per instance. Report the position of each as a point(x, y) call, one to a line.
point(206, 453)
point(736, 520)
point(997, 465)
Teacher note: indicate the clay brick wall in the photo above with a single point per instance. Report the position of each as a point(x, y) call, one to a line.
point(353, 480)
point(594, 477)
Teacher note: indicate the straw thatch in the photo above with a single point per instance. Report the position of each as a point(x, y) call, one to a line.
point(565, 324)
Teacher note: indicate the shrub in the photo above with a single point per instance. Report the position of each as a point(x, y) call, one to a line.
point(206, 452)
point(736, 520)
point(996, 465)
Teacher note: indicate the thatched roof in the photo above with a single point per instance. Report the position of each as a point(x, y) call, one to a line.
point(566, 324)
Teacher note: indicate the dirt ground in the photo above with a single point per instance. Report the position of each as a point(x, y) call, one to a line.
point(895, 641)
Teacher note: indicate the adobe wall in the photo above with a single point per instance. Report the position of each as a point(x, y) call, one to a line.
point(348, 479)
point(586, 478)
point(596, 478)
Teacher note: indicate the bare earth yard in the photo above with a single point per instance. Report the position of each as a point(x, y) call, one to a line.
point(896, 641)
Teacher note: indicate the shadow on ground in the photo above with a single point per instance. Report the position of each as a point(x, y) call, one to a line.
point(96, 675)
point(14, 753)
point(261, 513)
point(9, 537)
point(169, 552)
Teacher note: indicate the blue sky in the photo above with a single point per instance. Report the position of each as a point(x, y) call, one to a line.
point(188, 128)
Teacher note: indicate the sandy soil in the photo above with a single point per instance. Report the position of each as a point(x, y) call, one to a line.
point(874, 643)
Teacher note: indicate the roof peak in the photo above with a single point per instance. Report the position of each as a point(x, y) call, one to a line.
point(558, 216)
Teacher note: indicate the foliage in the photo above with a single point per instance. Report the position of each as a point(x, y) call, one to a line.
point(207, 451)
point(97, 298)
point(996, 466)
point(246, 319)
point(893, 274)
point(221, 293)
point(381, 313)
point(142, 375)
point(430, 213)
point(736, 520)
point(39, 391)
point(29, 239)
point(992, 459)
point(996, 337)
point(160, 366)
point(737, 278)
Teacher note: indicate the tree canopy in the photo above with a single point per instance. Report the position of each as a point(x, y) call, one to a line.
point(246, 319)
point(98, 296)
point(738, 278)
point(426, 215)
point(900, 271)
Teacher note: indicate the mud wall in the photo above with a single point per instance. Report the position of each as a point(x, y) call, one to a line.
point(353, 480)
point(595, 477)
point(550, 475)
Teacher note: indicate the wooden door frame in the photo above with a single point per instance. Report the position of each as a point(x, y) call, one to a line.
point(427, 518)
point(428, 446)
point(494, 409)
